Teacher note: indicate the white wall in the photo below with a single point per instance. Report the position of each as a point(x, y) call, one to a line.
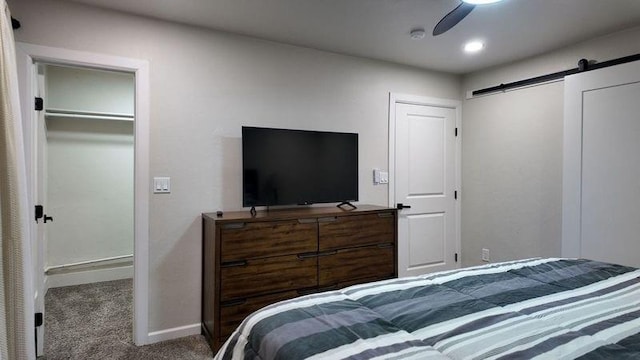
point(89, 90)
point(90, 190)
point(90, 167)
point(204, 86)
point(512, 154)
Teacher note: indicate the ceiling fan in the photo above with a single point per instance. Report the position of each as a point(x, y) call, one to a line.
point(456, 15)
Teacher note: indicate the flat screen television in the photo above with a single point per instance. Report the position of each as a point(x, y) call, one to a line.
point(298, 167)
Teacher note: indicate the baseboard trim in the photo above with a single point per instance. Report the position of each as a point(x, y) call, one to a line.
point(173, 333)
point(113, 261)
point(88, 276)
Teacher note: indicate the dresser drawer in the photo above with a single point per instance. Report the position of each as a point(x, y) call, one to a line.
point(357, 230)
point(233, 312)
point(240, 279)
point(241, 241)
point(373, 262)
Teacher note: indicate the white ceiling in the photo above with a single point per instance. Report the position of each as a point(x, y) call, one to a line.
point(379, 29)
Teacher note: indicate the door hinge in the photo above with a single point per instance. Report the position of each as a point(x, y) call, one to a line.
point(456, 131)
point(455, 195)
point(39, 212)
point(456, 257)
point(15, 24)
point(39, 319)
point(39, 104)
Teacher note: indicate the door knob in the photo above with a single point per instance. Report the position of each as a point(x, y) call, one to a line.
point(403, 206)
point(49, 218)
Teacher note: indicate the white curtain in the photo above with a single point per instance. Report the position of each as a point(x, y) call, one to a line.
point(16, 285)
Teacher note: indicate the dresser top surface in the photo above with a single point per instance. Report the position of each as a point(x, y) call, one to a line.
point(293, 213)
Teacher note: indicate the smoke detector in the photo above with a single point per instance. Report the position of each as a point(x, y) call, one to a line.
point(417, 34)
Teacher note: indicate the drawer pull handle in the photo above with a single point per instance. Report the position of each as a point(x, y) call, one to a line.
point(233, 302)
point(233, 226)
point(229, 264)
point(328, 253)
point(312, 255)
point(307, 221)
point(328, 219)
point(384, 246)
point(385, 215)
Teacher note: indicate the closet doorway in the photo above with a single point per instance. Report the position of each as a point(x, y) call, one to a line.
point(85, 166)
point(88, 174)
point(29, 57)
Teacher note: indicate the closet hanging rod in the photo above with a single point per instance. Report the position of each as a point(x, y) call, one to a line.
point(97, 117)
point(88, 114)
point(583, 65)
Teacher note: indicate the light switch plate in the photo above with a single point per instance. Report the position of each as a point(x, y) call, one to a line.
point(384, 177)
point(380, 177)
point(161, 185)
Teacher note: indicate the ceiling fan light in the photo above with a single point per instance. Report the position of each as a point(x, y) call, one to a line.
point(481, 2)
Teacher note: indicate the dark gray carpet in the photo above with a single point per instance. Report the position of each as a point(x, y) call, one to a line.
point(94, 321)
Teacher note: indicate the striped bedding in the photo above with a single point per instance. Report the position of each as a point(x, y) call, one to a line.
point(535, 308)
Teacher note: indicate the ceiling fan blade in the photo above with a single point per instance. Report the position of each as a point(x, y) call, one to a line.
point(452, 18)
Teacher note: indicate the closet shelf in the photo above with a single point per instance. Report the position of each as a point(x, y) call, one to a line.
point(88, 115)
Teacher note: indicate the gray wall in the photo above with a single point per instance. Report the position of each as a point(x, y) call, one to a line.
point(204, 86)
point(512, 154)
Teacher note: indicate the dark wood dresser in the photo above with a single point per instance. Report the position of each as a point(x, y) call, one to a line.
point(252, 261)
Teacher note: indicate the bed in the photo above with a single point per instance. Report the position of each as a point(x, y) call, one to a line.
point(534, 308)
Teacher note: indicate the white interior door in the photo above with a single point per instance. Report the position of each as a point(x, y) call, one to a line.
point(601, 190)
point(425, 183)
point(40, 198)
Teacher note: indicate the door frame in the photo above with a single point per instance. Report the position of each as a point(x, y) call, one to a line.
point(574, 88)
point(395, 98)
point(27, 54)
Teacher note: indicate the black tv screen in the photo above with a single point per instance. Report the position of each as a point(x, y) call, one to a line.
point(287, 167)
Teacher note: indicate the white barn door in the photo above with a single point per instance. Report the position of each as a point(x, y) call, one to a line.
point(425, 186)
point(601, 187)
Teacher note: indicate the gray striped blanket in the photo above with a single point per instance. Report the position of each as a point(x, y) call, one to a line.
point(536, 308)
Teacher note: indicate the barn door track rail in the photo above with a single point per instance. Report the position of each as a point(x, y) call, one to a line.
point(583, 65)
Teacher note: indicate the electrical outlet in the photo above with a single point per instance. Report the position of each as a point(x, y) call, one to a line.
point(485, 255)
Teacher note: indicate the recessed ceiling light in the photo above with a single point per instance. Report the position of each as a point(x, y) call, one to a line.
point(473, 46)
point(417, 34)
point(481, 2)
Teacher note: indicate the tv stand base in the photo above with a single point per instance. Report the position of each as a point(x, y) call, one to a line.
point(346, 203)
